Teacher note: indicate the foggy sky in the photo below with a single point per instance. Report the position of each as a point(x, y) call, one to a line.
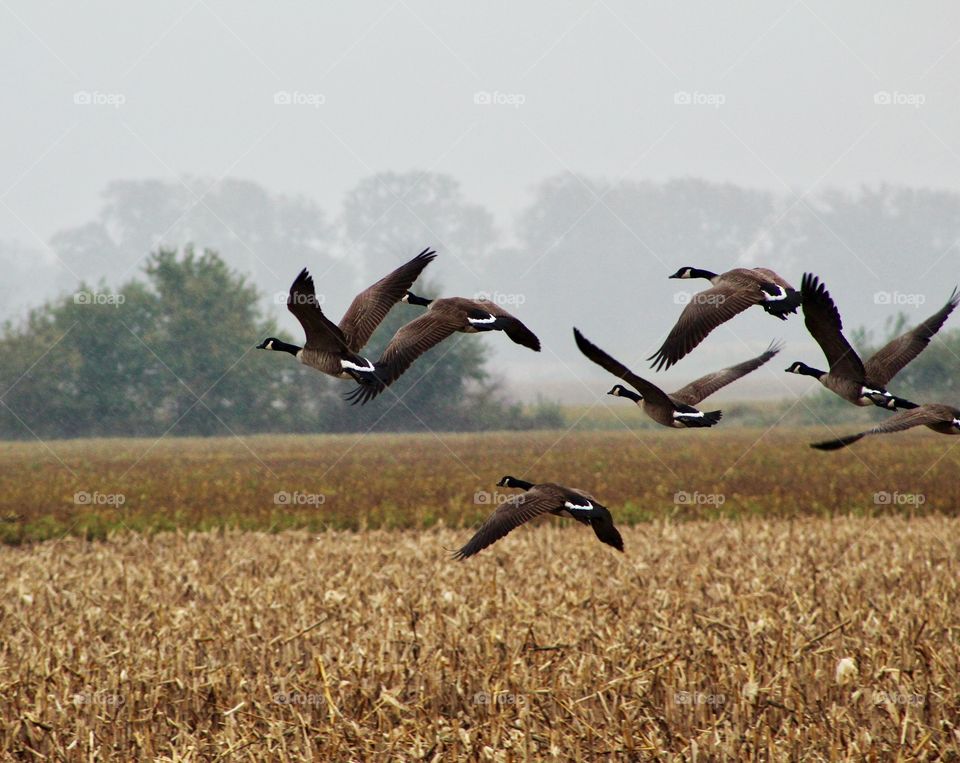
point(784, 96)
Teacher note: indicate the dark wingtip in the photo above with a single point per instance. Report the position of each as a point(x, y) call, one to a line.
point(837, 444)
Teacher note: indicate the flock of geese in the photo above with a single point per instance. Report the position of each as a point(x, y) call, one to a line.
point(334, 349)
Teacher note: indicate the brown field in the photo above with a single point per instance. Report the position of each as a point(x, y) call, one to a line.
point(718, 639)
point(416, 481)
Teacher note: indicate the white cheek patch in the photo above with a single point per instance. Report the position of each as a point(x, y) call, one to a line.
point(574, 507)
point(956, 423)
point(775, 297)
point(355, 367)
point(482, 321)
point(300, 355)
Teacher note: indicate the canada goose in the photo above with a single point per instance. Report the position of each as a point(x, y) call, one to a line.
point(443, 318)
point(732, 293)
point(545, 498)
point(656, 403)
point(856, 381)
point(944, 419)
point(333, 349)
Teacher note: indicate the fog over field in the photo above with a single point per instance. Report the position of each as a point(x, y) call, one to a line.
point(564, 157)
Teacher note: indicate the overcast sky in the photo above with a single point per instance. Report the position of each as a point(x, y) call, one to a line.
point(311, 97)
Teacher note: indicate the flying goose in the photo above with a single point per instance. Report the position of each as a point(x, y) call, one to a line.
point(856, 381)
point(658, 405)
point(333, 349)
point(545, 498)
point(443, 318)
point(944, 419)
point(731, 293)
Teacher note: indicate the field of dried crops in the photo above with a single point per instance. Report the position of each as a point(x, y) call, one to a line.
point(90, 488)
point(705, 640)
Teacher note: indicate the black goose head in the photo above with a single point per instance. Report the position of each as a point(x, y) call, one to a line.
point(803, 369)
point(602, 523)
point(689, 272)
point(619, 390)
point(509, 481)
point(412, 299)
point(272, 343)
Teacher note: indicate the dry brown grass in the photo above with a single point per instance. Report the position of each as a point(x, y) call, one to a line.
point(714, 638)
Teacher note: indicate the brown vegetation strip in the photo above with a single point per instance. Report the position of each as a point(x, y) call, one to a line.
point(717, 638)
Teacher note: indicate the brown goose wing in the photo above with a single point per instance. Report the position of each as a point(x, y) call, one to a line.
point(823, 322)
point(651, 392)
point(371, 305)
point(772, 277)
point(321, 333)
point(705, 386)
point(707, 310)
point(540, 499)
point(922, 415)
point(889, 360)
point(513, 327)
point(414, 339)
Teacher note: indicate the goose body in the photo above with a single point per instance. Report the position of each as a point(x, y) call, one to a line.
point(443, 318)
point(675, 410)
point(536, 500)
point(855, 380)
point(334, 349)
point(944, 419)
point(729, 295)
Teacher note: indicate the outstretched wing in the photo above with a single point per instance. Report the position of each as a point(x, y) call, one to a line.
point(707, 310)
point(371, 305)
point(889, 360)
point(509, 515)
point(914, 417)
point(513, 327)
point(823, 322)
point(651, 392)
point(321, 333)
point(408, 344)
point(705, 386)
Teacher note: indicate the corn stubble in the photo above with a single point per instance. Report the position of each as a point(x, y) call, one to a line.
point(718, 639)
